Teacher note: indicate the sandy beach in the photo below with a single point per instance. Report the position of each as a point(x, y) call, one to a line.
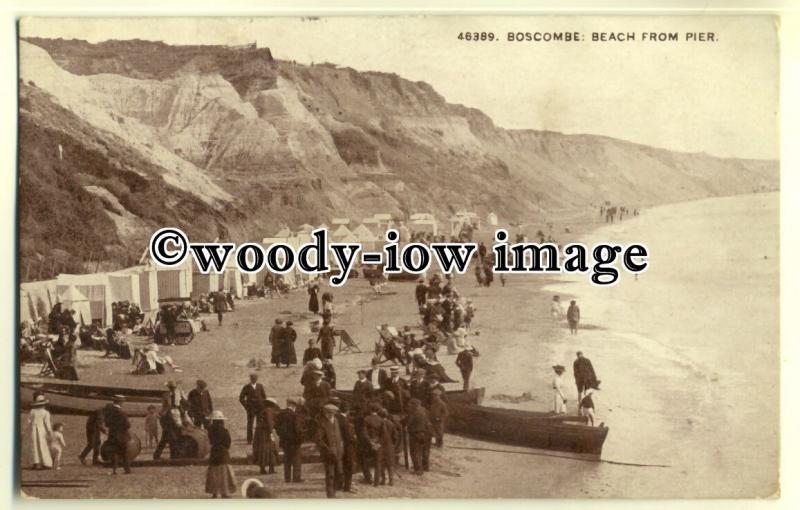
point(687, 355)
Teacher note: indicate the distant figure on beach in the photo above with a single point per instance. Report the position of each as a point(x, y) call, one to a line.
point(573, 317)
point(313, 299)
point(275, 340)
point(219, 306)
point(556, 310)
point(585, 378)
point(150, 428)
point(559, 400)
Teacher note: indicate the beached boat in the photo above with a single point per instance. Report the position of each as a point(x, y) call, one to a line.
point(565, 433)
point(74, 398)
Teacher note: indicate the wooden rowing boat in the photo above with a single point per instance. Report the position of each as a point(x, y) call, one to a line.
point(74, 398)
point(566, 433)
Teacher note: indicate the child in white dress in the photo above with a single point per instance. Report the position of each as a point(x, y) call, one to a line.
point(559, 400)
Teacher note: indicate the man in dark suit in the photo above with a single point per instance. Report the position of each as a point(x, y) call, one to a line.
point(251, 397)
point(200, 405)
point(421, 292)
point(420, 431)
point(118, 434)
point(317, 394)
point(376, 375)
point(418, 387)
point(290, 426)
point(399, 388)
point(362, 393)
point(348, 433)
point(173, 407)
point(95, 426)
point(583, 371)
point(331, 447)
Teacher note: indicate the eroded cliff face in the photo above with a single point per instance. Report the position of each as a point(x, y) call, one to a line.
point(248, 143)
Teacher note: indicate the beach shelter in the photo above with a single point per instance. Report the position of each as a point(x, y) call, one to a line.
point(26, 310)
point(204, 283)
point(95, 288)
point(148, 289)
point(124, 286)
point(342, 232)
point(73, 299)
point(42, 295)
point(368, 240)
point(491, 219)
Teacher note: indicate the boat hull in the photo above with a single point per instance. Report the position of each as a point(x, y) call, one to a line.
point(82, 399)
point(525, 428)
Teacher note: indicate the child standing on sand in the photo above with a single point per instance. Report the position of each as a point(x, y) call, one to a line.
point(151, 426)
point(57, 444)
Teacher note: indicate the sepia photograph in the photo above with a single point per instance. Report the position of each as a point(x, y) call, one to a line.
point(137, 379)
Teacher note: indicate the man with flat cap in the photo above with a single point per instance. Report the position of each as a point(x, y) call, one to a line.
point(331, 447)
point(251, 397)
point(119, 434)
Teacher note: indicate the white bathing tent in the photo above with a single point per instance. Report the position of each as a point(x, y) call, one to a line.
point(72, 299)
point(369, 241)
point(37, 299)
point(343, 235)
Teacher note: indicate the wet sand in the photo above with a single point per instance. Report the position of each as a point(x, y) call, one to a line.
point(688, 360)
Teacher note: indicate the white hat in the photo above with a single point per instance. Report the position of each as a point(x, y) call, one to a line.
point(40, 400)
point(217, 415)
point(249, 483)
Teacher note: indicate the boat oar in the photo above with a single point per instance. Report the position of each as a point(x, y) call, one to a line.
point(542, 454)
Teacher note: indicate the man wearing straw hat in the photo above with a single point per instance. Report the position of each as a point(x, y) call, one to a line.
point(119, 434)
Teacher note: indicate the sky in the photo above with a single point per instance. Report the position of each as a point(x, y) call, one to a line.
point(717, 97)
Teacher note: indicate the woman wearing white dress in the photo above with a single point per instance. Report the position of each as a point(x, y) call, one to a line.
point(39, 421)
point(556, 310)
point(559, 400)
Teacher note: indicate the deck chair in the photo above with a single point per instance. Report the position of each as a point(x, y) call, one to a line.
point(346, 342)
point(49, 366)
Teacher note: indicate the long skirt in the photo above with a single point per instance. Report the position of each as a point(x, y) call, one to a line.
point(264, 452)
point(220, 480)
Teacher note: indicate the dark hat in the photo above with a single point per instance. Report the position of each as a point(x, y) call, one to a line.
point(558, 367)
point(361, 371)
point(171, 384)
point(289, 323)
point(374, 407)
point(201, 383)
point(278, 321)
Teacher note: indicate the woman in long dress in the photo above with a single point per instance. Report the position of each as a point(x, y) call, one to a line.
point(264, 451)
point(41, 429)
point(559, 400)
point(288, 352)
point(220, 480)
point(313, 301)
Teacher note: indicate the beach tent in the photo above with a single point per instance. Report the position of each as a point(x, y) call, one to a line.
point(148, 289)
point(368, 240)
point(491, 219)
point(94, 287)
point(72, 299)
point(204, 283)
point(342, 232)
point(233, 279)
point(41, 295)
point(124, 287)
point(26, 310)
